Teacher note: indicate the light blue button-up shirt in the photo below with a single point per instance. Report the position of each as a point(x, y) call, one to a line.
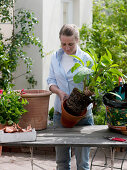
point(64, 81)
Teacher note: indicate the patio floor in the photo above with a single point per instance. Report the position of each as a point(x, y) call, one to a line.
point(21, 161)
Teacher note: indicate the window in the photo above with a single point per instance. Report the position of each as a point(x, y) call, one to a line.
point(67, 11)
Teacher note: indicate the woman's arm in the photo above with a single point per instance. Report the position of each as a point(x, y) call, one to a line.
point(62, 95)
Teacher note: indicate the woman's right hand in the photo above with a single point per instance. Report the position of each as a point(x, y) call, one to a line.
point(63, 96)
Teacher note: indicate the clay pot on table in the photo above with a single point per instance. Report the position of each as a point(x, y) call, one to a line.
point(37, 115)
point(68, 120)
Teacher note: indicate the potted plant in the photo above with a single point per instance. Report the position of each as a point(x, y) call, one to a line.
point(99, 79)
point(11, 107)
point(116, 107)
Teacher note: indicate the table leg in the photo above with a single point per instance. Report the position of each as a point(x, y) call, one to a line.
point(123, 159)
point(112, 157)
point(31, 151)
point(32, 162)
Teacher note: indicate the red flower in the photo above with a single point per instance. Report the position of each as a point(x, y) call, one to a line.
point(22, 92)
point(1, 91)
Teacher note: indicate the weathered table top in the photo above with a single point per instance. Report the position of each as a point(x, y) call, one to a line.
point(93, 136)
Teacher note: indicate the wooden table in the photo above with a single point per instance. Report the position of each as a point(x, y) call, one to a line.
point(91, 136)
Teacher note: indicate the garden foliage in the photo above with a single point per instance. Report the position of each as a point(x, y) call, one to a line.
point(108, 31)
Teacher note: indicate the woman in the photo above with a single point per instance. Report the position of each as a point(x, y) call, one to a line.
point(60, 81)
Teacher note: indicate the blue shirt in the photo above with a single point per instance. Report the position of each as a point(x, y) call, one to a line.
point(64, 81)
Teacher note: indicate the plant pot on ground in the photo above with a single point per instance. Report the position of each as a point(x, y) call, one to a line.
point(98, 79)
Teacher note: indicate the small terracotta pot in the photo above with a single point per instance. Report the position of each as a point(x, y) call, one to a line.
point(69, 120)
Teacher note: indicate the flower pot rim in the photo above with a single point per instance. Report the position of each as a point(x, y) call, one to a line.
point(36, 93)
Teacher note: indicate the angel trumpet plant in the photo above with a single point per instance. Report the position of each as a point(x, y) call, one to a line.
point(101, 77)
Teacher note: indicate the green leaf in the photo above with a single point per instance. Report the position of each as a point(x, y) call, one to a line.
point(116, 95)
point(114, 65)
point(79, 77)
point(88, 63)
point(93, 55)
point(109, 54)
point(85, 70)
point(94, 67)
point(106, 60)
point(115, 71)
point(78, 59)
point(75, 67)
point(82, 72)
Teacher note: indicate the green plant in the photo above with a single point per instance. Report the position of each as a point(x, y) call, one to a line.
point(108, 31)
point(99, 115)
point(4, 67)
point(103, 75)
point(51, 112)
point(11, 107)
point(12, 49)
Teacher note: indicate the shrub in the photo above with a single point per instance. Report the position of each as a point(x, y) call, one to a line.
point(108, 31)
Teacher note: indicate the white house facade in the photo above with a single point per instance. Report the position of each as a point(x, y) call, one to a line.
point(51, 14)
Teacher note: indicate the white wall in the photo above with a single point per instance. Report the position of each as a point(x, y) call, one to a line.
point(82, 12)
point(51, 27)
point(86, 12)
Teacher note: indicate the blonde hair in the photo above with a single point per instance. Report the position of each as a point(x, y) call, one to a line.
point(69, 30)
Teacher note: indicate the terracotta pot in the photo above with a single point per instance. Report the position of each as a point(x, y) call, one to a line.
point(69, 120)
point(2, 126)
point(77, 101)
point(37, 114)
point(0, 150)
